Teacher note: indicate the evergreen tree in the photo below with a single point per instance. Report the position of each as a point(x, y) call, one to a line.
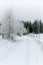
point(36, 27)
point(30, 27)
point(41, 27)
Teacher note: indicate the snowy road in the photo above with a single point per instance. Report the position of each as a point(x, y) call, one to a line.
point(25, 51)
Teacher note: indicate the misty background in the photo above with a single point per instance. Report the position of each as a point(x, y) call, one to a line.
point(24, 9)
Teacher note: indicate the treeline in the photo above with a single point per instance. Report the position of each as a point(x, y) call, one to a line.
point(35, 27)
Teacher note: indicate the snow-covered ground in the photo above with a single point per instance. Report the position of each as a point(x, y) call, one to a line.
point(26, 50)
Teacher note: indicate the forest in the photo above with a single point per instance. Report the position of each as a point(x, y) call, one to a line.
point(35, 27)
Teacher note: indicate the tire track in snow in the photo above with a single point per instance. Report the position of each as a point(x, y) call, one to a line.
point(8, 50)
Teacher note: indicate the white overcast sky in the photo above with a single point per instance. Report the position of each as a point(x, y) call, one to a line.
point(24, 9)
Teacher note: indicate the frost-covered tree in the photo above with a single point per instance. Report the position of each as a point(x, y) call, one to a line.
point(10, 25)
point(0, 28)
point(21, 29)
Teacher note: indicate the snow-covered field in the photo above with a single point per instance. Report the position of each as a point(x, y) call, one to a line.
point(25, 50)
